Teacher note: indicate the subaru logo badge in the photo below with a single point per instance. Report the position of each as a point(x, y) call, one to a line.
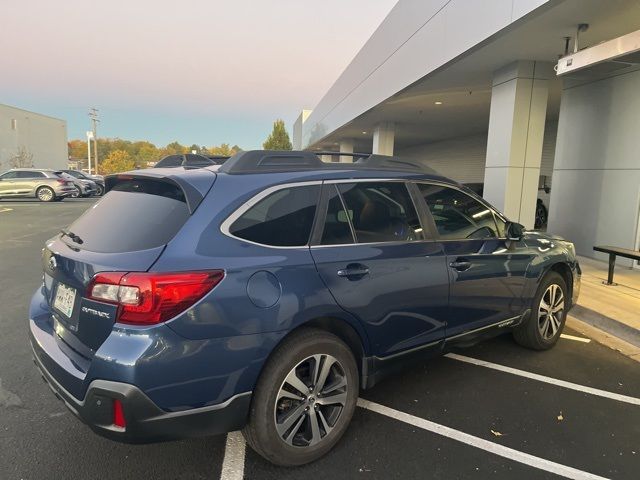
point(53, 264)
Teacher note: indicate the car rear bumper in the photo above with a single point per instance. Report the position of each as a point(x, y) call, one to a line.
point(64, 191)
point(89, 387)
point(145, 421)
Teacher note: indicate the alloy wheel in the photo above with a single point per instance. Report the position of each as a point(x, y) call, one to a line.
point(550, 311)
point(45, 194)
point(310, 401)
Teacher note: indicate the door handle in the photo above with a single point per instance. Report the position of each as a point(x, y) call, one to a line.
point(460, 265)
point(354, 271)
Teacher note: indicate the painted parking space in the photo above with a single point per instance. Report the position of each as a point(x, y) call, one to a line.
point(443, 418)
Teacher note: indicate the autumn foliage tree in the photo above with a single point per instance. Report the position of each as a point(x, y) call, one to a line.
point(117, 161)
point(224, 149)
point(279, 138)
point(141, 152)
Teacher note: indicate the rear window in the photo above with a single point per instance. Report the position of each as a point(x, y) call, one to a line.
point(134, 215)
point(282, 219)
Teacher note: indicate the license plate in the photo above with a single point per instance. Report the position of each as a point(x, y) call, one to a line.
point(65, 299)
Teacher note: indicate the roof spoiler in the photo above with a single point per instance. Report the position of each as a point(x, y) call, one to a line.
point(194, 186)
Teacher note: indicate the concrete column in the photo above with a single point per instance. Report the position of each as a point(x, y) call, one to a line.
point(516, 132)
point(383, 137)
point(346, 146)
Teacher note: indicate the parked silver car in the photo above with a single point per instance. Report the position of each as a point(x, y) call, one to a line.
point(44, 184)
point(97, 179)
point(85, 188)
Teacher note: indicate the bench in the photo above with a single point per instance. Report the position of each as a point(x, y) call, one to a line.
point(616, 252)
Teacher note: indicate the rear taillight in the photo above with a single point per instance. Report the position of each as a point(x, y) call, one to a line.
point(146, 298)
point(62, 182)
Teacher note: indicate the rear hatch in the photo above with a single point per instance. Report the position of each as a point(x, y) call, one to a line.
point(126, 231)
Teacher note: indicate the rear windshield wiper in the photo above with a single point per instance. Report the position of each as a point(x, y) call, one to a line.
point(72, 236)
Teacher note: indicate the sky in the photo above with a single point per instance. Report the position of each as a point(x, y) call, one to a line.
point(195, 71)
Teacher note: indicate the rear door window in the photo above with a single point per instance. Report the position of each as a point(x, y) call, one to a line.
point(381, 212)
point(29, 174)
point(137, 214)
point(337, 225)
point(282, 219)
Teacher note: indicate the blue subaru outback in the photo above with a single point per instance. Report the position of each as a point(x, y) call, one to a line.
point(264, 293)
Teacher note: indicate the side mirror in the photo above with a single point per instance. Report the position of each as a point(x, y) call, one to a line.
point(514, 231)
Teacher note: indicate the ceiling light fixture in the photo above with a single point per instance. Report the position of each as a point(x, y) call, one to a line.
point(438, 102)
point(364, 133)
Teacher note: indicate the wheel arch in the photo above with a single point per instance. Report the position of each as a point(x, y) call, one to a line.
point(341, 328)
point(564, 270)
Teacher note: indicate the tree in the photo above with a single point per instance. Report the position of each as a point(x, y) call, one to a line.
point(145, 152)
point(173, 148)
point(21, 159)
point(77, 149)
point(117, 161)
point(224, 149)
point(279, 138)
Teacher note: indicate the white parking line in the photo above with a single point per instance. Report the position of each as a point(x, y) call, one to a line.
point(542, 378)
point(5, 210)
point(495, 448)
point(233, 465)
point(577, 339)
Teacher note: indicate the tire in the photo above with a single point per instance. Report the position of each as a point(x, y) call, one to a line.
point(45, 194)
point(541, 215)
point(542, 329)
point(99, 191)
point(275, 409)
point(76, 194)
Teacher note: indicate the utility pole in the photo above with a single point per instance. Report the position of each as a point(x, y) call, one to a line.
point(93, 115)
point(89, 137)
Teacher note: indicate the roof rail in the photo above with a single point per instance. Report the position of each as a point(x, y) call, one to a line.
point(396, 163)
point(263, 161)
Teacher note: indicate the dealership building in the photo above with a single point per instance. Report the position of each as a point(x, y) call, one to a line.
point(531, 98)
point(36, 138)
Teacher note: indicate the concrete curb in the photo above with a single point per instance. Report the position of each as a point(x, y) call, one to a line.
point(610, 325)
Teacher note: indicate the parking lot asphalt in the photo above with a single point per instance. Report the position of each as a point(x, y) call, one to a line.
point(494, 410)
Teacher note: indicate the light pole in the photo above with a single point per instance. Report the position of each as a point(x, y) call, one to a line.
point(93, 115)
point(89, 137)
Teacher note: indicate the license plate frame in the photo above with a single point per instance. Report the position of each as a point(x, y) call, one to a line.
point(64, 299)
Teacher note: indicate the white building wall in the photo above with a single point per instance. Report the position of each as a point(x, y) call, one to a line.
point(595, 198)
point(42, 136)
point(463, 158)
